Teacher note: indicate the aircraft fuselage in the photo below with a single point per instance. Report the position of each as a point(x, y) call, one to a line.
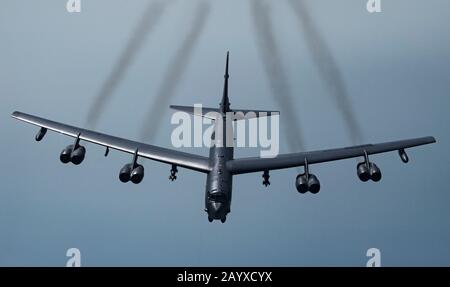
point(219, 180)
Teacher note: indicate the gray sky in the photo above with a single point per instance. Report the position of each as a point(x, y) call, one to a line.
point(396, 67)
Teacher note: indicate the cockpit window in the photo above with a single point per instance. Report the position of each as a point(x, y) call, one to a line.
point(218, 197)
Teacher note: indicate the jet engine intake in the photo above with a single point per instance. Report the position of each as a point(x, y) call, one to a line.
point(137, 174)
point(125, 173)
point(363, 171)
point(375, 172)
point(77, 155)
point(66, 154)
point(313, 184)
point(301, 183)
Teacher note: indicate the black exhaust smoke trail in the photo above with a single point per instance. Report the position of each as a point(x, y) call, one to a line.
point(176, 69)
point(327, 67)
point(271, 59)
point(149, 20)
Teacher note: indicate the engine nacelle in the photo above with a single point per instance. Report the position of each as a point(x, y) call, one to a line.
point(66, 154)
point(132, 171)
point(305, 183)
point(301, 183)
point(137, 174)
point(363, 171)
point(313, 184)
point(125, 173)
point(78, 155)
point(375, 172)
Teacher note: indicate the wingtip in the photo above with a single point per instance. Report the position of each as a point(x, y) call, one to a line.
point(15, 114)
point(428, 140)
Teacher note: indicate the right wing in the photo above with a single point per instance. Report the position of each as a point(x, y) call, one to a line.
point(181, 159)
point(255, 164)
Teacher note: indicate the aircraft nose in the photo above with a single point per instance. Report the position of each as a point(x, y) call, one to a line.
point(216, 209)
point(216, 206)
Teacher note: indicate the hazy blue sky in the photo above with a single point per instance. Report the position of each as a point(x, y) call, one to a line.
point(396, 65)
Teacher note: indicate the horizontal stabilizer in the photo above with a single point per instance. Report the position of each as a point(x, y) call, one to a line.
point(251, 114)
point(211, 113)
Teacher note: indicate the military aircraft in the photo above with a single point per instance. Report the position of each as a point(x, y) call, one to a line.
point(220, 166)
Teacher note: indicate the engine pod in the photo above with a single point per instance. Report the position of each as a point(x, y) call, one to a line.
point(301, 183)
point(313, 184)
point(125, 172)
point(64, 157)
point(363, 171)
point(78, 155)
point(137, 174)
point(375, 172)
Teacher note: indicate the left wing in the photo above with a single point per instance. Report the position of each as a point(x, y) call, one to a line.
point(254, 164)
point(182, 159)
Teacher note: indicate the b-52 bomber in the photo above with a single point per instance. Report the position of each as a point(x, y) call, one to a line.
point(220, 166)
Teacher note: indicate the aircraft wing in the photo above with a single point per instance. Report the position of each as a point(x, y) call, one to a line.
point(181, 159)
point(255, 164)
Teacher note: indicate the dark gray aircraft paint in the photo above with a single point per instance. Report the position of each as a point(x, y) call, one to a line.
point(220, 166)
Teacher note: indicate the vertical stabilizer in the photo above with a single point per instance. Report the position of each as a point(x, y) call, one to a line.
point(225, 103)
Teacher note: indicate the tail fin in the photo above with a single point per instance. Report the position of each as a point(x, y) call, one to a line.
point(225, 102)
point(211, 113)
